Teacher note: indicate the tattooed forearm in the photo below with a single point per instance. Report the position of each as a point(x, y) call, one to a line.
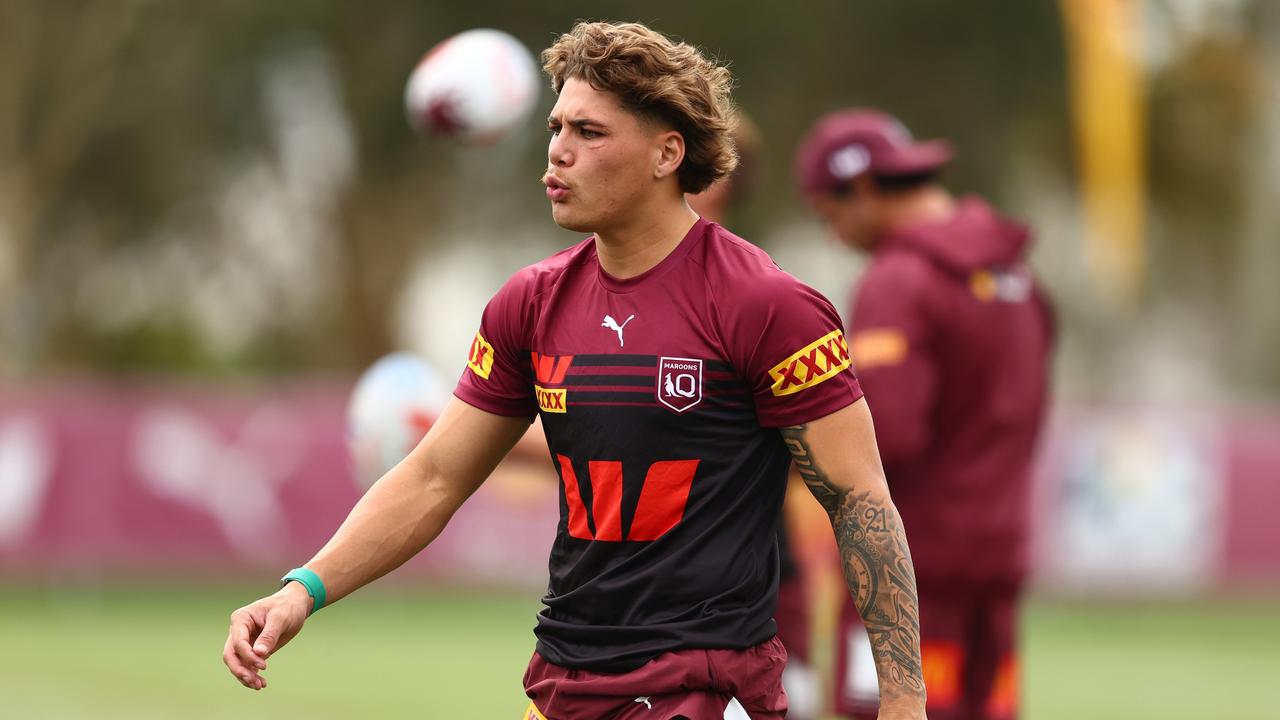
point(877, 566)
point(829, 497)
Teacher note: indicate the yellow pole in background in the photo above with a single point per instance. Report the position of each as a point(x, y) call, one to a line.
point(1109, 119)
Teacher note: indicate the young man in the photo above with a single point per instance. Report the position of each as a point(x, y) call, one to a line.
point(951, 339)
point(676, 371)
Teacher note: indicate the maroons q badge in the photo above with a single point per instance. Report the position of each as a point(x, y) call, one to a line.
point(679, 383)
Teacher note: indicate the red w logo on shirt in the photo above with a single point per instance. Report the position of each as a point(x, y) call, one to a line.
point(661, 506)
point(551, 369)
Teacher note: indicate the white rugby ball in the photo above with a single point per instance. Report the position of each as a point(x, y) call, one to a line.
point(477, 86)
point(392, 406)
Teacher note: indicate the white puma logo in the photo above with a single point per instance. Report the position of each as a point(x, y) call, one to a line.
point(646, 702)
point(613, 325)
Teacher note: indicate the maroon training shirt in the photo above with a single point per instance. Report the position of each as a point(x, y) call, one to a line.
point(951, 337)
point(660, 396)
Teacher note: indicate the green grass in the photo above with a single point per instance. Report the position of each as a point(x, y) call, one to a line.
point(155, 652)
point(1166, 661)
point(158, 654)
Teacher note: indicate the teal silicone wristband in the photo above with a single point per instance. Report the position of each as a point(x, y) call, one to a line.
point(311, 582)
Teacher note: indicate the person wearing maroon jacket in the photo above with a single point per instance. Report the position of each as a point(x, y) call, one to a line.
point(951, 337)
point(677, 372)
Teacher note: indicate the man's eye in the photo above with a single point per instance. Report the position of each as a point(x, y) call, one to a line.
point(590, 134)
point(554, 130)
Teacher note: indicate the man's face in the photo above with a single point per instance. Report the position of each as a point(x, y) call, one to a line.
point(601, 159)
point(851, 216)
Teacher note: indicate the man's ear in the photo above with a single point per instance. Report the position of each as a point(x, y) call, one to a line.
point(670, 154)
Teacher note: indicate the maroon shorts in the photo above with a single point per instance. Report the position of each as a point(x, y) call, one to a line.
point(967, 644)
point(694, 684)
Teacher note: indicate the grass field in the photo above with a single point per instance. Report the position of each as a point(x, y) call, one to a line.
point(155, 653)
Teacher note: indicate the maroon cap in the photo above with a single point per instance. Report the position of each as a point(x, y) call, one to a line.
point(847, 143)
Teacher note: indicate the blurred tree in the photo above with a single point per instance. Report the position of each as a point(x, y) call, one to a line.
point(232, 185)
point(152, 207)
point(1215, 167)
point(59, 65)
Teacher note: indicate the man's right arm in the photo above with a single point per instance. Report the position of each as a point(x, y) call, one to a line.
point(410, 505)
point(403, 512)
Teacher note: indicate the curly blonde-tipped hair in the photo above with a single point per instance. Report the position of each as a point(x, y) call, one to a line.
point(660, 79)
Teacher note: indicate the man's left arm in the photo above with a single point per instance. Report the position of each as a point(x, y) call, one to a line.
point(837, 458)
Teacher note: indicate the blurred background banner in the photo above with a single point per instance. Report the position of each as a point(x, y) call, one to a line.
point(98, 478)
point(165, 479)
point(1147, 500)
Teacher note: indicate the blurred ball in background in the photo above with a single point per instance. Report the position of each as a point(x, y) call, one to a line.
point(392, 406)
point(476, 86)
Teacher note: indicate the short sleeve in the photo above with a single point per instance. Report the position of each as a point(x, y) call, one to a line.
point(498, 378)
point(788, 340)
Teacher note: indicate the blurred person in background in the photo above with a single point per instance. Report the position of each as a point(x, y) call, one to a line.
point(664, 570)
point(951, 338)
point(793, 614)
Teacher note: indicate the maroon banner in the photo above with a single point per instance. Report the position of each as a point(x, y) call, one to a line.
point(1251, 542)
point(166, 477)
point(108, 477)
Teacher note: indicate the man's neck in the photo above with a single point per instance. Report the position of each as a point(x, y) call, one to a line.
point(636, 248)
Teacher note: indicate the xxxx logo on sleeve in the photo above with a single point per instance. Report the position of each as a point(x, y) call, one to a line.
point(550, 400)
point(481, 358)
point(814, 363)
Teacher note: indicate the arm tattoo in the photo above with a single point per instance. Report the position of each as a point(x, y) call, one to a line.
point(877, 567)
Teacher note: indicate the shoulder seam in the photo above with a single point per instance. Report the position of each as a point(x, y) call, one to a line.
point(559, 273)
point(738, 246)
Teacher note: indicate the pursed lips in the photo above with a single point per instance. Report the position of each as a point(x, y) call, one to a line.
point(557, 189)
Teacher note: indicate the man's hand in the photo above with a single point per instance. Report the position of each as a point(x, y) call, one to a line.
point(259, 629)
point(392, 522)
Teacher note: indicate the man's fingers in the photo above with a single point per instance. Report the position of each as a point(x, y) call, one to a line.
point(257, 631)
point(249, 679)
point(230, 660)
point(268, 640)
point(249, 657)
point(246, 676)
point(243, 626)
